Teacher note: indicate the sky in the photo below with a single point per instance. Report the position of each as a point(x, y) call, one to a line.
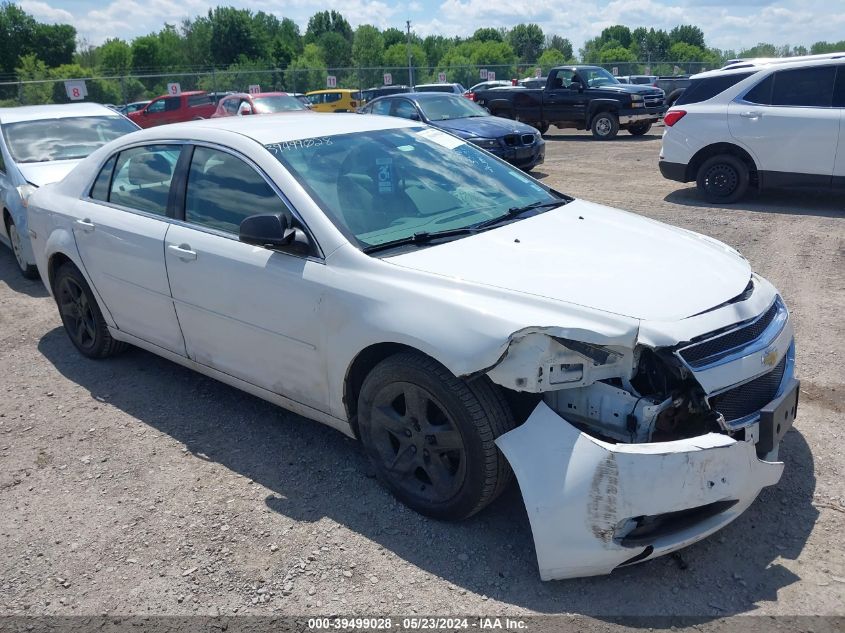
point(727, 24)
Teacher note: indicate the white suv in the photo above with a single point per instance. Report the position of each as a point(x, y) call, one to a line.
point(772, 125)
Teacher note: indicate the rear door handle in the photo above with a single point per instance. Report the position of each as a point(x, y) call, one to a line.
point(751, 114)
point(86, 225)
point(183, 252)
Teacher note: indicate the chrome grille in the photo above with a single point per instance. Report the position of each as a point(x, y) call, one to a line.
point(653, 100)
point(699, 354)
point(515, 140)
point(751, 397)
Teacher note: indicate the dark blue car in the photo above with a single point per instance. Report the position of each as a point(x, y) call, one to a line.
point(518, 143)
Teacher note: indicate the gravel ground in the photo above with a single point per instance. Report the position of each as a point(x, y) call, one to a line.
point(136, 487)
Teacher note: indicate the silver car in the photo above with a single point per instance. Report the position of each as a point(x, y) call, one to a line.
point(39, 145)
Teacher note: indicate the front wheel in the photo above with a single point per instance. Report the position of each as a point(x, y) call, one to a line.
point(27, 270)
point(605, 126)
point(638, 129)
point(430, 435)
point(722, 179)
point(81, 315)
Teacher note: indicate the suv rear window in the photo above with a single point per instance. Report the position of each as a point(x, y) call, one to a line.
point(706, 88)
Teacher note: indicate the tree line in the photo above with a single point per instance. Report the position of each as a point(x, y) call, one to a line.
point(241, 45)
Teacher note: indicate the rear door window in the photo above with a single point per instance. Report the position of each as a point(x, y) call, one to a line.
point(706, 88)
point(811, 87)
point(142, 177)
point(839, 88)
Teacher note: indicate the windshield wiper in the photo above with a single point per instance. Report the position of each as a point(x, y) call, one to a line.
point(421, 237)
point(516, 211)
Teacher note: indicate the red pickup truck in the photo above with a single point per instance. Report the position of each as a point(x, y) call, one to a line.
point(187, 106)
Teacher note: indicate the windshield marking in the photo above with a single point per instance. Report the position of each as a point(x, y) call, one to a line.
point(302, 143)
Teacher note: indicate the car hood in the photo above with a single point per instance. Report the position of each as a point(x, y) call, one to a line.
point(597, 257)
point(40, 174)
point(484, 127)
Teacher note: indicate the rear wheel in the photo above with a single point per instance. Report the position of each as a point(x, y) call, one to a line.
point(605, 126)
point(430, 435)
point(723, 179)
point(27, 270)
point(81, 315)
point(638, 129)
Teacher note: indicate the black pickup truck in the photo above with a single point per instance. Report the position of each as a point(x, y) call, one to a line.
point(582, 97)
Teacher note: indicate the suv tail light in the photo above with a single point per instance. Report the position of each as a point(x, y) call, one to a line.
point(354, 104)
point(673, 116)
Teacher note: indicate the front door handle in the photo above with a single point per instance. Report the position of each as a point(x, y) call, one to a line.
point(751, 114)
point(183, 252)
point(86, 225)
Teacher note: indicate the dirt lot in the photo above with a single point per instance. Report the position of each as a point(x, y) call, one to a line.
point(134, 486)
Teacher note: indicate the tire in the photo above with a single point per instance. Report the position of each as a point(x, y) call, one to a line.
point(673, 97)
point(27, 270)
point(605, 126)
point(722, 179)
point(430, 436)
point(638, 129)
point(81, 315)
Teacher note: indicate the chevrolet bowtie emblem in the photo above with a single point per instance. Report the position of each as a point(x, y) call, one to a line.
point(770, 357)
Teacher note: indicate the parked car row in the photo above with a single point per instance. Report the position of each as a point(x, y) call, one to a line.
point(373, 278)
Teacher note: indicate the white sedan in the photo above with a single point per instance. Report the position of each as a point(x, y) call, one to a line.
point(41, 144)
point(465, 321)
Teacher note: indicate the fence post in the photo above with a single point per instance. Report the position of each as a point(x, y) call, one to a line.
point(20, 92)
point(123, 88)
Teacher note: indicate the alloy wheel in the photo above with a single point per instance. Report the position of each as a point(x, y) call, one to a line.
point(77, 313)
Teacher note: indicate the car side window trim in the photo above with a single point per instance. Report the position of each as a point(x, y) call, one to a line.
point(773, 76)
point(181, 175)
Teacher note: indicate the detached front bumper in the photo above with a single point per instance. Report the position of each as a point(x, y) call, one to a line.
point(594, 506)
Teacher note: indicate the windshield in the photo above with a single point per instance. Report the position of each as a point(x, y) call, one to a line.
point(277, 103)
point(62, 139)
point(388, 185)
point(597, 76)
point(448, 107)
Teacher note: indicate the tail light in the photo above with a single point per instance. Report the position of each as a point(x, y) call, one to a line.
point(354, 104)
point(470, 96)
point(673, 116)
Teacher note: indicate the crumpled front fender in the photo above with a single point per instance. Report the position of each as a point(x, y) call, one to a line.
point(581, 493)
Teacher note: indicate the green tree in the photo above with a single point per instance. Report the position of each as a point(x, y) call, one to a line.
point(527, 41)
point(618, 33)
point(615, 53)
point(396, 61)
point(436, 46)
point(114, 57)
point(560, 44)
point(550, 58)
point(367, 47)
point(55, 43)
point(487, 34)
point(822, 47)
point(337, 51)
point(325, 22)
point(33, 69)
point(196, 41)
point(762, 49)
point(17, 34)
point(307, 71)
point(233, 35)
point(146, 54)
point(393, 36)
point(687, 34)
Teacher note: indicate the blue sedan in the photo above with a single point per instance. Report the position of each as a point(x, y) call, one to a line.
point(518, 143)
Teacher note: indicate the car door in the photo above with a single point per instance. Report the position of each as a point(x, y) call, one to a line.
point(7, 191)
point(788, 123)
point(119, 231)
point(562, 101)
point(839, 104)
point(247, 311)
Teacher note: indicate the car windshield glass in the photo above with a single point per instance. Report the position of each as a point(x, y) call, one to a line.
point(277, 103)
point(597, 76)
point(446, 107)
point(388, 185)
point(62, 139)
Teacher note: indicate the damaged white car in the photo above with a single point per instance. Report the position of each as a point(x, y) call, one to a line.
point(463, 320)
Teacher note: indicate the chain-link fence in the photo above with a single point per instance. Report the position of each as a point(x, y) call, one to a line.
point(137, 87)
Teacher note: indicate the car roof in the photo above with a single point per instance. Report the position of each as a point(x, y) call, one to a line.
point(271, 128)
point(54, 111)
point(753, 67)
point(315, 92)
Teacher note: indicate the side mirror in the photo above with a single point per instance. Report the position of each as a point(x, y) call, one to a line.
point(244, 108)
point(414, 116)
point(273, 230)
